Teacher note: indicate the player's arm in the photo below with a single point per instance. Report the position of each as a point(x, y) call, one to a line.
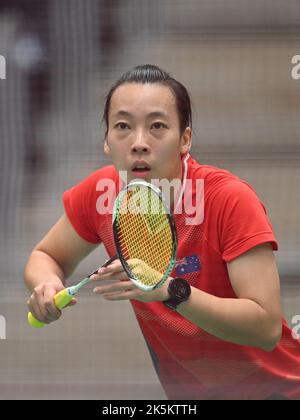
point(254, 318)
point(52, 260)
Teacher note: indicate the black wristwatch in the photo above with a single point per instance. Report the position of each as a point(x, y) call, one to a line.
point(179, 291)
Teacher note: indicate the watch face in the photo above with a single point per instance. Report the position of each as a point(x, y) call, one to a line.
point(180, 289)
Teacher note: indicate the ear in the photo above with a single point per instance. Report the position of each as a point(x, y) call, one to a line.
point(186, 141)
point(106, 148)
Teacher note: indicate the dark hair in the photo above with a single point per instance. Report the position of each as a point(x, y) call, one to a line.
point(149, 73)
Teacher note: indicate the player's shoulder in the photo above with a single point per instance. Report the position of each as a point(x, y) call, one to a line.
point(108, 172)
point(101, 174)
point(211, 174)
point(219, 182)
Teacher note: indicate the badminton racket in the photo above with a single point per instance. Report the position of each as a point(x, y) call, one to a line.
point(145, 239)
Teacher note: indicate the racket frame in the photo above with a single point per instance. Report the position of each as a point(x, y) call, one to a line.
point(171, 221)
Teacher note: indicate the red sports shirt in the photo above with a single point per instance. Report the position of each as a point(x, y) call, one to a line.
point(191, 363)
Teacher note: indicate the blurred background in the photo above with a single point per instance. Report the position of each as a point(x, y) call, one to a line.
point(62, 56)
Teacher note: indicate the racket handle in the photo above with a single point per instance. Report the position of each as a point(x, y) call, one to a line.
point(61, 299)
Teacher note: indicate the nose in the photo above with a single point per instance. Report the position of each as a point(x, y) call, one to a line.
point(140, 144)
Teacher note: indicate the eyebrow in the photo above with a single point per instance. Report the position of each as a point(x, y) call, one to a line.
point(152, 114)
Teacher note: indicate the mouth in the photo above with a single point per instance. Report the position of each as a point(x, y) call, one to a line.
point(141, 168)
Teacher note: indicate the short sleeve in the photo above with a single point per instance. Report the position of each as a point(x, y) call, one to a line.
point(242, 220)
point(80, 207)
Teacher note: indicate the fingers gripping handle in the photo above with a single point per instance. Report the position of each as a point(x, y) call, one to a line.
point(61, 299)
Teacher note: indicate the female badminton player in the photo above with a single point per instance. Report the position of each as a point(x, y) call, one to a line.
point(215, 328)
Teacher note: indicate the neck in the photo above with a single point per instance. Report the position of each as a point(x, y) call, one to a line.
point(175, 192)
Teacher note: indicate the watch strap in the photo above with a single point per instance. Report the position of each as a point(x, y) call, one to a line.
point(174, 300)
point(172, 303)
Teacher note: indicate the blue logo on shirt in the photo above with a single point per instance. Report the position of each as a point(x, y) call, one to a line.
point(187, 265)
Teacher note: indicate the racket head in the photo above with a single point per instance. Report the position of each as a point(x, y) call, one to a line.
point(144, 234)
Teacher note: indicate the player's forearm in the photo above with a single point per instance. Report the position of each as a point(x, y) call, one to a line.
point(240, 321)
point(41, 268)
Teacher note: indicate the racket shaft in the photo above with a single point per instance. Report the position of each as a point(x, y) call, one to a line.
point(108, 262)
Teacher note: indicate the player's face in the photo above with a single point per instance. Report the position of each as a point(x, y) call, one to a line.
point(143, 135)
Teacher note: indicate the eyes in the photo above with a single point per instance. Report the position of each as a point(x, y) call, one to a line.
point(158, 125)
point(122, 126)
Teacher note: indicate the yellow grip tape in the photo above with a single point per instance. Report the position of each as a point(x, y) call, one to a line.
point(61, 299)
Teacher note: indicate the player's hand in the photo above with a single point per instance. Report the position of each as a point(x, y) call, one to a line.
point(122, 288)
point(41, 302)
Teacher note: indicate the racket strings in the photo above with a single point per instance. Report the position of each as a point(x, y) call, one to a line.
point(145, 235)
